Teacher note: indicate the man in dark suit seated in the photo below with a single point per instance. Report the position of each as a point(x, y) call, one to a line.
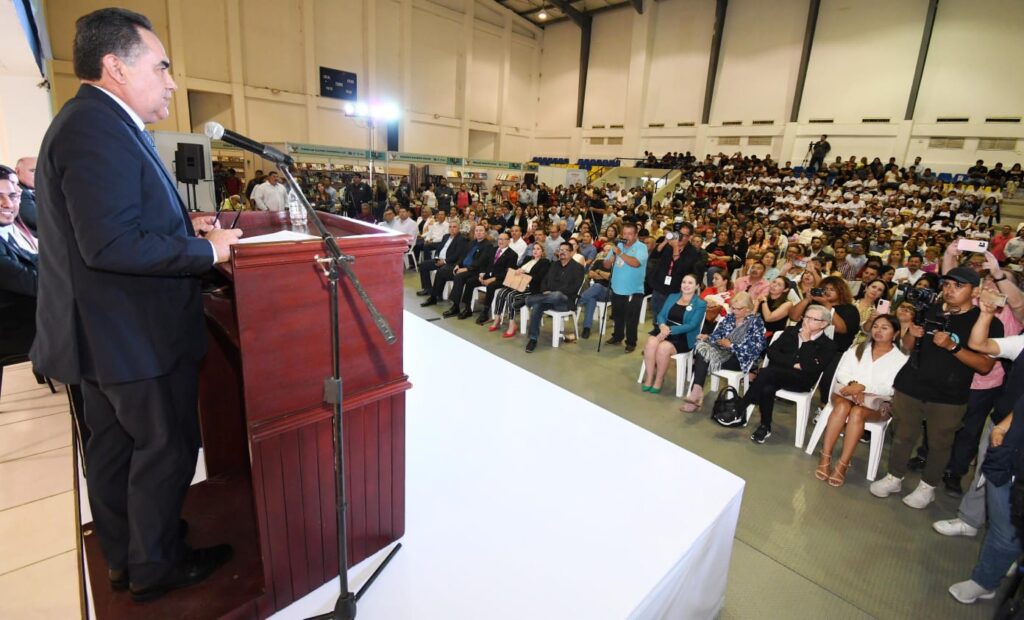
point(477, 255)
point(119, 308)
point(492, 276)
point(453, 246)
point(19, 274)
point(25, 169)
point(795, 362)
point(562, 284)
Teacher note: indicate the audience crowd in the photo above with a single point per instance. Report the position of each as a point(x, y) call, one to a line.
point(880, 291)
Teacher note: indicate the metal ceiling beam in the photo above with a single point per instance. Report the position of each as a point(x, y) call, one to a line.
point(639, 6)
point(805, 59)
point(578, 17)
point(585, 22)
point(716, 47)
point(922, 56)
point(592, 12)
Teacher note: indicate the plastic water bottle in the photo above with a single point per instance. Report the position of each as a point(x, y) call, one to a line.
point(296, 212)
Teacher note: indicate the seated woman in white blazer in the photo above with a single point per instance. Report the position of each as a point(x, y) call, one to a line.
point(862, 391)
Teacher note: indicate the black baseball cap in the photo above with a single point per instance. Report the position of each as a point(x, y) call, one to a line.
point(963, 275)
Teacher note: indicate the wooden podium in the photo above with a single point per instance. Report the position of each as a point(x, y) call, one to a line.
point(267, 433)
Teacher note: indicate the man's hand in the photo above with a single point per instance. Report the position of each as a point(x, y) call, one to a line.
point(992, 264)
point(917, 331)
point(943, 340)
point(460, 269)
point(222, 240)
point(204, 224)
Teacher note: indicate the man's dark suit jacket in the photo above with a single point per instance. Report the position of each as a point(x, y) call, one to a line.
point(498, 268)
point(813, 356)
point(456, 251)
point(27, 212)
point(18, 283)
point(484, 256)
point(119, 298)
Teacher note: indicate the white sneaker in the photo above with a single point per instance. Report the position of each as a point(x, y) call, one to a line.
point(923, 495)
point(954, 527)
point(886, 486)
point(968, 592)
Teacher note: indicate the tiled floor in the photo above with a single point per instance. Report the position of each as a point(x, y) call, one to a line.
point(38, 576)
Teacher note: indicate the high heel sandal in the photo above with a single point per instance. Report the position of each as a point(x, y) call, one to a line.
point(838, 476)
point(821, 473)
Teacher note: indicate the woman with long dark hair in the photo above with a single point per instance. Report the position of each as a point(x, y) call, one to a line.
point(863, 383)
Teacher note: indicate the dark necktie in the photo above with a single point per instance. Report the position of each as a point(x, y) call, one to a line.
point(16, 249)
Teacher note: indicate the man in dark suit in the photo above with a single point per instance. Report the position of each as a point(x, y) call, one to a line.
point(19, 266)
point(478, 255)
point(795, 362)
point(492, 277)
point(453, 247)
point(26, 171)
point(119, 308)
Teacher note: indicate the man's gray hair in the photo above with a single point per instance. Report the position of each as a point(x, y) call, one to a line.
point(820, 311)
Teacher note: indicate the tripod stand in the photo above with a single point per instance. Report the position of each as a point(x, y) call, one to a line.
point(332, 265)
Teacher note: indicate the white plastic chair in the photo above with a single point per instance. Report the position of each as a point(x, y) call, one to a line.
point(602, 308)
point(877, 430)
point(411, 256)
point(802, 400)
point(558, 319)
point(447, 286)
point(476, 294)
point(643, 309)
point(684, 368)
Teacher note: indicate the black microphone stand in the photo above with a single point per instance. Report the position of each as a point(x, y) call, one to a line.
point(332, 265)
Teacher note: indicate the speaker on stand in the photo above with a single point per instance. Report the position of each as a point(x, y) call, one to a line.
point(190, 169)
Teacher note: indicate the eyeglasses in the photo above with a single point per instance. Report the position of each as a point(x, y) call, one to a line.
point(814, 318)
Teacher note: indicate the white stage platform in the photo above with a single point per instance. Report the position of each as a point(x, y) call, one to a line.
point(526, 501)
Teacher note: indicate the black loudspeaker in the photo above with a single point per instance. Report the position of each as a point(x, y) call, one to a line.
point(530, 178)
point(189, 163)
point(393, 136)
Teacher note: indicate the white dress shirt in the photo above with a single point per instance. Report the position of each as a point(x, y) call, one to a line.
point(270, 197)
point(407, 226)
point(519, 246)
point(23, 239)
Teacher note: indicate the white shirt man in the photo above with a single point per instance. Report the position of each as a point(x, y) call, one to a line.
point(405, 224)
point(435, 230)
point(517, 243)
point(270, 195)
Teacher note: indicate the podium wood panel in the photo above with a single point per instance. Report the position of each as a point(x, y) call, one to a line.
point(267, 431)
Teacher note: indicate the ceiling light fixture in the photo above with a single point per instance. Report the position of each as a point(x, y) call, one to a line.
point(543, 14)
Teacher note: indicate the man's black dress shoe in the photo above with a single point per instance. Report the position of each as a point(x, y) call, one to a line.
point(197, 565)
point(429, 302)
point(530, 346)
point(465, 314)
point(480, 320)
point(453, 311)
point(119, 576)
point(423, 292)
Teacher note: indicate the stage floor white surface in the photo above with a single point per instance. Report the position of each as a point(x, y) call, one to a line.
point(527, 501)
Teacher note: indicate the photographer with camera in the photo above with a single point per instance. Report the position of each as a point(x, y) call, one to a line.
point(998, 461)
point(934, 386)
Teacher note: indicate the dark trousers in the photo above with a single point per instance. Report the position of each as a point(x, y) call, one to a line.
point(441, 278)
point(463, 285)
point(425, 269)
point(626, 313)
point(770, 380)
point(907, 415)
point(485, 308)
point(140, 460)
point(815, 163)
point(965, 442)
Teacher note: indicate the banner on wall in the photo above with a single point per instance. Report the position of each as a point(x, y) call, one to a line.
point(575, 176)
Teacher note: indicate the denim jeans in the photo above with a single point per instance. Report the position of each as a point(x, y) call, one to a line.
point(1001, 546)
point(537, 304)
point(589, 299)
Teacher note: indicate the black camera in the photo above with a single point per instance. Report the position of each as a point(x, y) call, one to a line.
point(920, 298)
point(817, 292)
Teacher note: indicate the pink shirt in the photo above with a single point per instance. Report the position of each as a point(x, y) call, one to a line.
point(1011, 327)
point(756, 289)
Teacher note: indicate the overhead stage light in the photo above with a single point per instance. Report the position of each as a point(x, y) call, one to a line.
point(542, 15)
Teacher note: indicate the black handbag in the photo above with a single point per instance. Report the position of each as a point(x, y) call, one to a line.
point(727, 410)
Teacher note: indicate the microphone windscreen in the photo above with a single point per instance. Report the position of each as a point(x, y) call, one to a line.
point(214, 130)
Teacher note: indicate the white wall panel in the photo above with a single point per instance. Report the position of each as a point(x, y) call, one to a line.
point(659, 145)
point(522, 102)
point(759, 61)
point(387, 52)
point(206, 55)
point(551, 147)
point(435, 43)
point(515, 147)
point(862, 66)
point(273, 121)
point(334, 128)
point(273, 45)
point(609, 68)
point(973, 62)
point(559, 76)
point(484, 77)
point(679, 62)
point(333, 17)
point(482, 144)
point(431, 138)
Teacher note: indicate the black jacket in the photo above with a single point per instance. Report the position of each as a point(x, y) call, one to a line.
point(567, 279)
point(498, 267)
point(27, 212)
point(119, 290)
point(690, 261)
point(813, 356)
point(455, 251)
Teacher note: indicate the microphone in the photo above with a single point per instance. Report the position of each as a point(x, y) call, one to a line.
point(216, 131)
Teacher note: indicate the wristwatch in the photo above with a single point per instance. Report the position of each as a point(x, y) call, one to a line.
point(956, 349)
point(999, 279)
